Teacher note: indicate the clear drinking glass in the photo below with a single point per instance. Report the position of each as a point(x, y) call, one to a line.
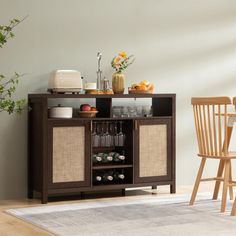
point(139, 110)
point(116, 111)
point(147, 111)
point(132, 111)
point(124, 111)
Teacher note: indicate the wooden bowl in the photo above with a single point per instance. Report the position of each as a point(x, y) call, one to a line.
point(87, 114)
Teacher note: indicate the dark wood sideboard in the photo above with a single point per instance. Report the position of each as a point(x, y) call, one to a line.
point(56, 169)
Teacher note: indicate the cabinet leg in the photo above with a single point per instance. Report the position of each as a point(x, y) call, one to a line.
point(30, 194)
point(154, 187)
point(173, 188)
point(123, 192)
point(82, 195)
point(44, 198)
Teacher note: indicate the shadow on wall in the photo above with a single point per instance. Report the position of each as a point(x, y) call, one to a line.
point(186, 130)
point(13, 144)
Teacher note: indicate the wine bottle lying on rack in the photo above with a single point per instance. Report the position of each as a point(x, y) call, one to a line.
point(108, 157)
point(102, 158)
point(96, 159)
point(117, 157)
point(97, 178)
point(118, 175)
point(109, 176)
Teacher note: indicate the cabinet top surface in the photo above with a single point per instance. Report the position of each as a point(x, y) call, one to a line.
point(49, 95)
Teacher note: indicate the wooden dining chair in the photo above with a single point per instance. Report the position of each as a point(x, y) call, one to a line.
point(233, 211)
point(211, 119)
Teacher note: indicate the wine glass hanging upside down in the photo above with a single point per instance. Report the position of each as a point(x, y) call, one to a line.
point(105, 134)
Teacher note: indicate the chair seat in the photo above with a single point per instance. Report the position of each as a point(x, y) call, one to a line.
point(230, 155)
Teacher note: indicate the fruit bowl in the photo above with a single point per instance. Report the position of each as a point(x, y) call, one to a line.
point(134, 91)
point(87, 114)
point(143, 87)
point(91, 91)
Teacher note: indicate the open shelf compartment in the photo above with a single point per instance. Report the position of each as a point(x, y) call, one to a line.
point(126, 149)
point(127, 172)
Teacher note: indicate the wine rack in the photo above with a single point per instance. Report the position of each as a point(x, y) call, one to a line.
point(61, 151)
point(114, 158)
point(126, 172)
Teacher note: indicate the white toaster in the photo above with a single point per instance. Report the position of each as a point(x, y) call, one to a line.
point(65, 81)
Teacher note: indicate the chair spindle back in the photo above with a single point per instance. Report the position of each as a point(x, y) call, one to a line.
point(210, 116)
point(234, 102)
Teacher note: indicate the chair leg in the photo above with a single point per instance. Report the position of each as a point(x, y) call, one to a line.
point(219, 175)
point(233, 211)
point(225, 186)
point(197, 181)
point(231, 193)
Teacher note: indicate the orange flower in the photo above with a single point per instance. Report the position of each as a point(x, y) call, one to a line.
point(123, 54)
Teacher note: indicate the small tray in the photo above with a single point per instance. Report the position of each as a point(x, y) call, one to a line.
point(87, 114)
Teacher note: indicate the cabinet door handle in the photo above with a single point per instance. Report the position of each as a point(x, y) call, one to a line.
point(91, 126)
point(135, 125)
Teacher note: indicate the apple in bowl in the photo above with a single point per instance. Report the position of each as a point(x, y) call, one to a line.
point(85, 107)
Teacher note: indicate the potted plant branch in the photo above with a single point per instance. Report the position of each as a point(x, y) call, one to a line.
point(8, 85)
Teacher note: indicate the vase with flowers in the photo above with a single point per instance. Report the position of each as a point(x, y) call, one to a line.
point(120, 63)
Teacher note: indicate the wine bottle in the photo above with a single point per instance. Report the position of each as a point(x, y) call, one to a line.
point(96, 159)
point(101, 155)
point(106, 158)
point(111, 154)
point(118, 176)
point(107, 176)
point(122, 156)
point(97, 178)
point(118, 158)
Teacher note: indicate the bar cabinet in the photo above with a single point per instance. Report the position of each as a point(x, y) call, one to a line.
point(60, 150)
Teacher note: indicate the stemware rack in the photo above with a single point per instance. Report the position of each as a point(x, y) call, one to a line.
point(60, 151)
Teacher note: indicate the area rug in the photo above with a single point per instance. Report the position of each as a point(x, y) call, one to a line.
point(156, 216)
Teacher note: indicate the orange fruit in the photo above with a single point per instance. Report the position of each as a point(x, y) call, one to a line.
point(134, 86)
point(142, 87)
point(144, 82)
point(93, 109)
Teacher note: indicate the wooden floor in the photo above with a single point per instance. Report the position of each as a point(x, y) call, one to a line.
point(11, 226)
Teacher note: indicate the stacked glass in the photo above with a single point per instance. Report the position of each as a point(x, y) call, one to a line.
point(131, 111)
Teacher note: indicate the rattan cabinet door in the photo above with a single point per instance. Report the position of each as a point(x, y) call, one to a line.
point(69, 154)
point(152, 150)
